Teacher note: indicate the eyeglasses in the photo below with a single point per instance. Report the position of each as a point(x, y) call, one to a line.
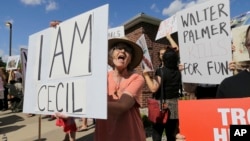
point(124, 47)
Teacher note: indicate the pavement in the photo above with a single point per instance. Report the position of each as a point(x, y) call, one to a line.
point(20, 127)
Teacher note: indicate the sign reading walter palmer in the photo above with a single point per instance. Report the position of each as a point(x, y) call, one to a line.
point(205, 42)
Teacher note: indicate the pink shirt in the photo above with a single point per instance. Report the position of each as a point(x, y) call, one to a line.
point(129, 126)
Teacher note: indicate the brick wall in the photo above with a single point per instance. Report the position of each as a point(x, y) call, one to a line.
point(150, 32)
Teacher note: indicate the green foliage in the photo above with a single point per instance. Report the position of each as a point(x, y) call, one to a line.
point(2, 64)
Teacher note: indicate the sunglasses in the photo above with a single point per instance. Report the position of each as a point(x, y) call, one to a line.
point(124, 47)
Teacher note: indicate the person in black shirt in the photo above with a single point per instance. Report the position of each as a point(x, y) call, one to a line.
point(237, 86)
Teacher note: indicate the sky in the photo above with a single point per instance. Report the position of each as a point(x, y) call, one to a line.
point(31, 16)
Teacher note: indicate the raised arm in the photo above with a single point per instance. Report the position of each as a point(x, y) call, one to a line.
point(172, 42)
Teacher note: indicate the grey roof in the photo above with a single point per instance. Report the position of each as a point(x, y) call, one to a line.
point(141, 17)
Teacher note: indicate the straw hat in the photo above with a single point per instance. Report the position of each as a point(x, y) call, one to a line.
point(137, 51)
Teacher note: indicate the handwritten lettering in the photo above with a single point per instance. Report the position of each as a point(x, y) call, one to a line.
point(52, 93)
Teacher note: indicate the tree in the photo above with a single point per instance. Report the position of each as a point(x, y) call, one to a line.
point(2, 64)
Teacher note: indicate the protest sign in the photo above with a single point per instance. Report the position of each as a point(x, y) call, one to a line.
point(67, 67)
point(204, 36)
point(210, 120)
point(239, 35)
point(167, 26)
point(116, 32)
point(146, 60)
point(12, 62)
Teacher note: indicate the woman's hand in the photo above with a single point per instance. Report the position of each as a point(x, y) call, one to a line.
point(232, 66)
point(181, 67)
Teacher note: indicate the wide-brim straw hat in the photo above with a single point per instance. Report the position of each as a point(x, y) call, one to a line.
point(137, 50)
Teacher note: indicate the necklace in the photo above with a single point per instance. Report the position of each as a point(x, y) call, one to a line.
point(117, 85)
point(117, 80)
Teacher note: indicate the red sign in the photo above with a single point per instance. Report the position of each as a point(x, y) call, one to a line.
point(210, 120)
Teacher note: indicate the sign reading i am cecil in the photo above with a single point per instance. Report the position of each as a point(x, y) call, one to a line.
point(67, 67)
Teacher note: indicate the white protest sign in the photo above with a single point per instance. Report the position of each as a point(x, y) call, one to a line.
point(146, 60)
point(116, 32)
point(167, 26)
point(12, 62)
point(239, 35)
point(204, 36)
point(67, 67)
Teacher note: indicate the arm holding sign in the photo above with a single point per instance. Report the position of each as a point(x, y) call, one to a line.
point(172, 42)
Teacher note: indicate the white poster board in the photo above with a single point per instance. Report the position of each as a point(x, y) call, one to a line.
point(67, 67)
point(116, 32)
point(12, 62)
point(239, 35)
point(146, 62)
point(167, 26)
point(205, 42)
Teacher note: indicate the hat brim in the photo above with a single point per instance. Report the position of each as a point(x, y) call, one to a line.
point(137, 53)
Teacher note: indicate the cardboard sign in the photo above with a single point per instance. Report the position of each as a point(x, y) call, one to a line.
point(67, 67)
point(12, 62)
point(204, 36)
point(167, 26)
point(239, 36)
point(146, 60)
point(116, 32)
point(210, 120)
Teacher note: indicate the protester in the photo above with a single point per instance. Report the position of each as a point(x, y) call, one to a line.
point(171, 85)
point(124, 121)
point(238, 85)
point(171, 76)
point(68, 124)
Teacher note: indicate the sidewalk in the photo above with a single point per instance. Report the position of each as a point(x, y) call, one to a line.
point(19, 127)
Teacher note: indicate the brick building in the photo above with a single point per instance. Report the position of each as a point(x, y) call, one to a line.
point(147, 25)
